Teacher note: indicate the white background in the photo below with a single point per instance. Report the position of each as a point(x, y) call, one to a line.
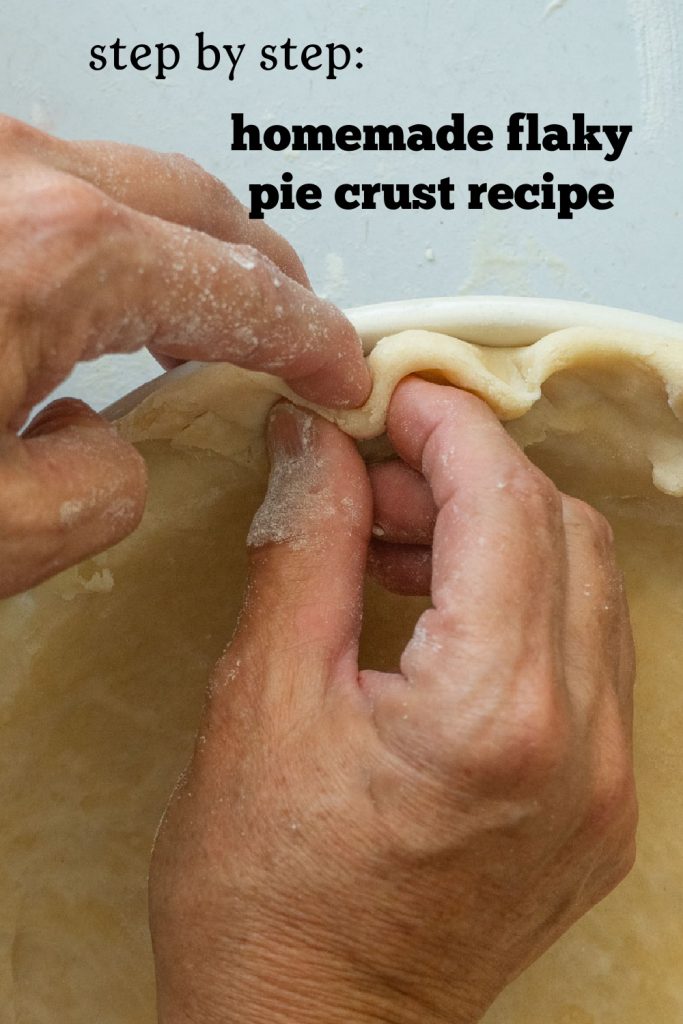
point(615, 60)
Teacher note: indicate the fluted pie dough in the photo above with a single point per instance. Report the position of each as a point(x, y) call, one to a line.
point(103, 669)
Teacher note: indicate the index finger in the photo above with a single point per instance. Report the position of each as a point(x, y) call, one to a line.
point(165, 185)
point(115, 280)
point(498, 550)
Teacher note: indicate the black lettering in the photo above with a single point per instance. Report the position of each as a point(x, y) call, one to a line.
point(555, 138)
point(452, 136)
point(476, 196)
point(269, 60)
point(618, 137)
point(287, 192)
point(348, 138)
point(521, 197)
point(117, 46)
point(202, 50)
point(383, 137)
point(601, 197)
point(234, 54)
point(585, 136)
point(480, 138)
point(262, 197)
point(289, 47)
point(515, 131)
point(446, 193)
point(309, 197)
point(312, 137)
point(532, 124)
point(340, 197)
point(136, 55)
point(239, 130)
point(307, 55)
point(276, 137)
point(162, 66)
point(369, 193)
point(420, 138)
point(99, 61)
point(571, 198)
point(501, 197)
point(424, 198)
point(332, 66)
point(548, 191)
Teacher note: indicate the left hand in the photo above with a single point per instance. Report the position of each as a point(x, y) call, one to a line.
point(106, 248)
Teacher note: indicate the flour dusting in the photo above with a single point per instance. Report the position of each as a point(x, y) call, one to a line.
point(553, 6)
point(295, 498)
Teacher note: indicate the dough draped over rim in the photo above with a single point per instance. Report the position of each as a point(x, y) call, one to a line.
point(104, 668)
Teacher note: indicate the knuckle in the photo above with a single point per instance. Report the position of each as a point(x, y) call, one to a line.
point(217, 193)
point(534, 749)
point(213, 202)
point(196, 183)
point(67, 206)
point(526, 753)
point(64, 221)
point(184, 166)
point(534, 490)
point(57, 208)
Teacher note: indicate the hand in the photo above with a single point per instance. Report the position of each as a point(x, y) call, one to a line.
point(362, 847)
point(107, 248)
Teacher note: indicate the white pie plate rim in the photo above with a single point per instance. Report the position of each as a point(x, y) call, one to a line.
point(493, 320)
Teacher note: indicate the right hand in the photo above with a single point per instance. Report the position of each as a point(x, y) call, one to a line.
point(361, 846)
point(107, 248)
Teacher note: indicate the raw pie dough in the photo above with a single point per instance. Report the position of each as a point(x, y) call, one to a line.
point(104, 669)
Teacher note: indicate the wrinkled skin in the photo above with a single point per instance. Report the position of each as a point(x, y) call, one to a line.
point(351, 846)
point(107, 248)
point(344, 846)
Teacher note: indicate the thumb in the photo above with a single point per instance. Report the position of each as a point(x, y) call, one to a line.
point(308, 546)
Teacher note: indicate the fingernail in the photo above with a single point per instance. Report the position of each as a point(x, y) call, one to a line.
point(58, 415)
point(290, 431)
